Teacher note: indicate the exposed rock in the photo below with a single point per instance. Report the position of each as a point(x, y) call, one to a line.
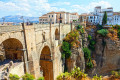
point(108, 56)
point(76, 59)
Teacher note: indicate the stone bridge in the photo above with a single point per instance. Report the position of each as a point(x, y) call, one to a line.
point(36, 46)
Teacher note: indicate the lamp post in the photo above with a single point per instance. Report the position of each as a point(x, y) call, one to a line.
point(22, 18)
point(3, 19)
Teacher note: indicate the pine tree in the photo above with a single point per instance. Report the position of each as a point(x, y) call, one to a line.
point(104, 21)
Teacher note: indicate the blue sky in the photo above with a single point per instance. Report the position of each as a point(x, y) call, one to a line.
point(36, 8)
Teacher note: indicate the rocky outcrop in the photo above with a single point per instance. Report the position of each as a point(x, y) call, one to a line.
point(107, 55)
point(76, 59)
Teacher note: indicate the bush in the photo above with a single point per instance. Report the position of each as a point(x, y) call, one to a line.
point(40, 78)
point(116, 74)
point(87, 53)
point(117, 27)
point(28, 77)
point(77, 73)
point(89, 64)
point(97, 77)
point(91, 45)
point(103, 32)
point(89, 37)
point(65, 75)
point(72, 38)
point(118, 33)
point(66, 50)
point(14, 77)
point(81, 30)
point(99, 27)
point(79, 27)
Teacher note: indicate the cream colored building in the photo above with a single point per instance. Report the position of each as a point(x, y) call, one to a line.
point(56, 17)
point(43, 19)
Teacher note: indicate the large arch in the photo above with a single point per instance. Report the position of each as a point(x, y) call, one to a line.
point(46, 64)
point(12, 49)
point(57, 34)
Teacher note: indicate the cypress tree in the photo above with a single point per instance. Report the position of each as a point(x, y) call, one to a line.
point(104, 21)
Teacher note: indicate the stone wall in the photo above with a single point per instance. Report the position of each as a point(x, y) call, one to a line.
point(18, 69)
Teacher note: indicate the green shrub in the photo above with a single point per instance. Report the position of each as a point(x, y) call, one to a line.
point(81, 30)
point(99, 27)
point(89, 37)
point(92, 45)
point(118, 33)
point(87, 53)
point(66, 50)
point(97, 77)
point(103, 32)
point(40, 78)
point(14, 77)
point(117, 27)
point(65, 75)
point(116, 74)
point(77, 73)
point(79, 27)
point(28, 77)
point(89, 64)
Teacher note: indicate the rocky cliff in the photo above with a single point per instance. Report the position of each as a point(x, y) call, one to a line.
point(107, 55)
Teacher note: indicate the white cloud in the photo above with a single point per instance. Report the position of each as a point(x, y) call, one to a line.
point(90, 6)
point(60, 4)
point(39, 7)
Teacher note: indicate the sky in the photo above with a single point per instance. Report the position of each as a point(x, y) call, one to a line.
point(36, 8)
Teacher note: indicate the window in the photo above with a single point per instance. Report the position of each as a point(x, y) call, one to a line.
point(49, 16)
point(52, 15)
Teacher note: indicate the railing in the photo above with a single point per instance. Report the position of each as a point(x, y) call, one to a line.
point(10, 28)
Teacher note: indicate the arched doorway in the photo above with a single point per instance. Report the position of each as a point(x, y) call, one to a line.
point(46, 64)
point(12, 50)
point(57, 34)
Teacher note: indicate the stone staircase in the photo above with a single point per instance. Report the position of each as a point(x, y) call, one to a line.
point(4, 70)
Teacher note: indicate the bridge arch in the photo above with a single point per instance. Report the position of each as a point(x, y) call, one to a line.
point(12, 49)
point(46, 63)
point(57, 35)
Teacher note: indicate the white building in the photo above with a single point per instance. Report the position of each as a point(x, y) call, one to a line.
point(96, 17)
point(56, 17)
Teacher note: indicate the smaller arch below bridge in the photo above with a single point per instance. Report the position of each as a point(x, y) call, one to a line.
point(11, 49)
point(57, 35)
point(46, 63)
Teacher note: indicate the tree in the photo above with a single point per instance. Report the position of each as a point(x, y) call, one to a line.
point(104, 21)
point(103, 32)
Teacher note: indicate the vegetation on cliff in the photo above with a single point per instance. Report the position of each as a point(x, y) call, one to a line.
point(66, 53)
point(103, 32)
point(76, 73)
point(117, 28)
point(14, 77)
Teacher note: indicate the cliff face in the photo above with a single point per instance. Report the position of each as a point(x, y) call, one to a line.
point(107, 55)
point(76, 59)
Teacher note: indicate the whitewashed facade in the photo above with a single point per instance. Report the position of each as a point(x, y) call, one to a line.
point(96, 17)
